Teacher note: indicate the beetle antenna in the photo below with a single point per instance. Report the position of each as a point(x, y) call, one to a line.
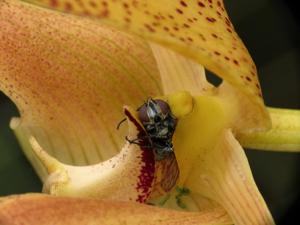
point(120, 123)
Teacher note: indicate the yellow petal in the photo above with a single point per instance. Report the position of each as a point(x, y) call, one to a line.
point(223, 174)
point(242, 116)
point(179, 73)
point(184, 199)
point(37, 209)
point(200, 30)
point(70, 77)
point(284, 135)
point(197, 132)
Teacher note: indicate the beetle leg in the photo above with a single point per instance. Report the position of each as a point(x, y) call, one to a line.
point(136, 142)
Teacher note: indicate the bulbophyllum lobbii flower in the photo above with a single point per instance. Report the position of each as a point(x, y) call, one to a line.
point(71, 77)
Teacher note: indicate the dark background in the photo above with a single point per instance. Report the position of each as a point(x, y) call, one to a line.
point(270, 30)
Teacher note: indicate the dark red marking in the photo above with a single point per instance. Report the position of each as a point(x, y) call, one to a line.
point(176, 28)
point(214, 35)
point(227, 21)
point(68, 6)
point(166, 28)
point(125, 5)
point(179, 11)
point(190, 39)
point(183, 3)
point(202, 37)
point(53, 3)
point(171, 17)
point(235, 62)
point(186, 25)
point(190, 20)
point(104, 4)
point(146, 177)
point(157, 17)
point(104, 13)
point(211, 19)
point(201, 4)
point(93, 4)
point(248, 79)
point(151, 29)
point(127, 19)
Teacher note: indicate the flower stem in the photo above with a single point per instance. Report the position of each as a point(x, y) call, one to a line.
point(283, 136)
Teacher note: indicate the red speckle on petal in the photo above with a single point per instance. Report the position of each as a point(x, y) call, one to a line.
point(171, 17)
point(104, 13)
point(201, 4)
point(166, 28)
point(53, 3)
point(68, 6)
point(190, 20)
point(92, 4)
point(211, 19)
point(179, 11)
point(186, 25)
point(104, 4)
point(183, 3)
point(235, 62)
point(149, 28)
point(214, 35)
point(127, 19)
point(248, 79)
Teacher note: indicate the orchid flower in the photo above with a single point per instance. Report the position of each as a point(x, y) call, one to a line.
point(74, 77)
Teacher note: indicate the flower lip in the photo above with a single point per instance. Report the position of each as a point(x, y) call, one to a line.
point(146, 175)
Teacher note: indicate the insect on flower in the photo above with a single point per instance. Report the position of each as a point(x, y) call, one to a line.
point(160, 124)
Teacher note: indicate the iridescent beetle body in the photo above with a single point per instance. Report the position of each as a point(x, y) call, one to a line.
point(160, 125)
